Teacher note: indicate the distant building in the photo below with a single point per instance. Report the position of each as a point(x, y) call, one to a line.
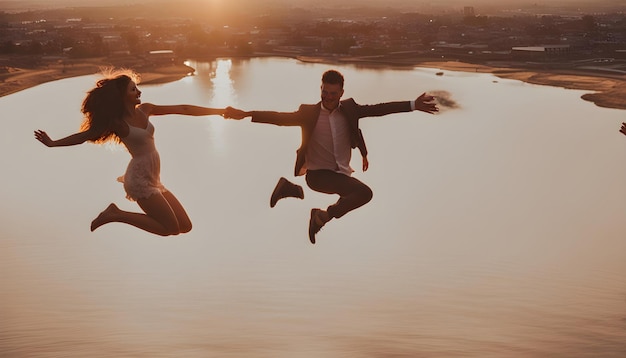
point(540, 52)
point(162, 57)
point(468, 11)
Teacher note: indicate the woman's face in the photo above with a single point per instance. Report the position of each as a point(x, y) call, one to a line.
point(133, 94)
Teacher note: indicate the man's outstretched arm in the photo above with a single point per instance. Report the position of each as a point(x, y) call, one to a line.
point(426, 103)
point(270, 117)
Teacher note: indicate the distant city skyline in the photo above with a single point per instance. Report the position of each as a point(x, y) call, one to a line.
point(385, 3)
point(216, 7)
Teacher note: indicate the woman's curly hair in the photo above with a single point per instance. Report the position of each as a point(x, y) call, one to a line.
point(104, 104)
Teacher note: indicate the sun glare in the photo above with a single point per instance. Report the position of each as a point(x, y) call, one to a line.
point(223, 91)
point(215, 4)
point(223, 96)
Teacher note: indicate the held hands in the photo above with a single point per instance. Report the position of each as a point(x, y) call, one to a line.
point(234, 113)
point(426, 103)
point(43, 138)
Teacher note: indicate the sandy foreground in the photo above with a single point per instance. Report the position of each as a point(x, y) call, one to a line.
point(605, 90)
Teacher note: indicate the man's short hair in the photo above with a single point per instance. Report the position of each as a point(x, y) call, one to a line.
point(333, 77)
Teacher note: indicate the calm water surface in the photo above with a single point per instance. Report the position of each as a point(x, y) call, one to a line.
point(496, 229)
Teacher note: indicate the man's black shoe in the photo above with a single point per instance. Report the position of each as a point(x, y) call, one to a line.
point(315, 224)
point(284, 189)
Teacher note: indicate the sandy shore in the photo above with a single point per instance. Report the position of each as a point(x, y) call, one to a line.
point(13, 79)
point(605, 89)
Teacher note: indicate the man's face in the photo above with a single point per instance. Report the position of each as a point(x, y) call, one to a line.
point(331, 94)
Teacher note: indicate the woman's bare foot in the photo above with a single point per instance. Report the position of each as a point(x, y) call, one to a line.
point(105, 217)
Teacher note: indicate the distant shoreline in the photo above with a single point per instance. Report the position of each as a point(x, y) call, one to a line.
point(14, 79)
point(605, 89)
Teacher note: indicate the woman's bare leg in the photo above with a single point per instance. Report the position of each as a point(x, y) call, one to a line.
point(159, 218)
point(184, 223)
point(106, 216)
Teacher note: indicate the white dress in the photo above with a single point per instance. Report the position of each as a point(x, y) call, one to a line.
point(142, 177)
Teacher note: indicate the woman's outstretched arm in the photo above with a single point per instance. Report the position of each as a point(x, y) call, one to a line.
point(182, 109)
point(74, 139)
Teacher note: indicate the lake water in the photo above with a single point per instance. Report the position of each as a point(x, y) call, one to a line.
point(497, 228)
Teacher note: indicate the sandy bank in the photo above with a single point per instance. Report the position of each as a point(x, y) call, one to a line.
point(13, 79)
point(606, 89)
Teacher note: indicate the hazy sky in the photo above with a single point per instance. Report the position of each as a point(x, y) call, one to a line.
point(309, 2)
point(405, 5)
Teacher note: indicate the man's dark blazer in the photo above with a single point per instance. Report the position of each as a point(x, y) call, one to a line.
point(306, 117)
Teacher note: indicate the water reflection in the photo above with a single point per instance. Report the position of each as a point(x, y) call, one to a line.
point(496, 229)
point(224, 93)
